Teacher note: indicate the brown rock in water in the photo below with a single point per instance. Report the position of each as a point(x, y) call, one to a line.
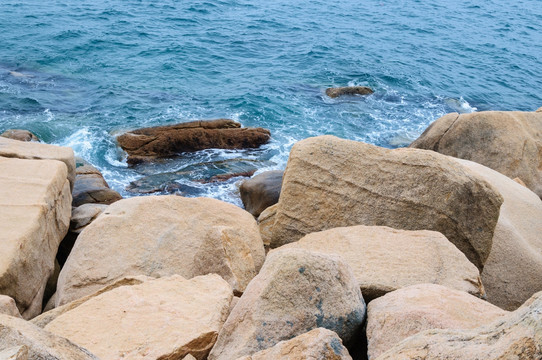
point(21, 135)
point(23, 340)
point(405, 312)
point(385, 259)
point(262, 191)
point(166, 318)
point(296, 291)
point(513, 271)
point(35, 213)
point(90, 186)
point(160, 236)
point(167, 141)
point(330, 182)
point(8, 306)
point(517, 335)
point(509, 142)
point(348, 90)
point(317, 344)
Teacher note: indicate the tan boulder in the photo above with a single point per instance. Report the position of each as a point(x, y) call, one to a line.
point(35, 213)
point(262, 191)
point(405, 312)
point(8, 306)
point(330, 182)
point(171, 140)
point(385, 259)
point(84, 215)
point(513, 271)
point(21, 340)
point(317, 344)
point(348, 90)
point(160, 236)
point(90, 186)
point(509, 142)
point(517, 335)
point(166, 318)
point(21, 135)
point(296, 291)
point(36, 151)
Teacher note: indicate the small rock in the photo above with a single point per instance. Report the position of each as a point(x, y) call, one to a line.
point(261, 191)
point(91, 188)
point(8, 306)
point(84, 215)
point(348, 90)
point(21, 135)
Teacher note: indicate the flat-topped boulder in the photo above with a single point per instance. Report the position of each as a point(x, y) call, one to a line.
point(10, 148)
point(261, 191)
point(172, 140)
point(159, 236)
point(509, 142)
point(166, 318)
point(348, 90)
point(35, 209)
point(331, 182)
point(405, 312)
point(385, 259)
point(21, 135)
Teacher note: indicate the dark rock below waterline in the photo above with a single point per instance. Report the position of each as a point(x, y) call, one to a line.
point(348, 90)
point(21, 135)
point(168, 141)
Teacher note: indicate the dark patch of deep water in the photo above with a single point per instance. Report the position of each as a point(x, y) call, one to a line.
point(77, 73)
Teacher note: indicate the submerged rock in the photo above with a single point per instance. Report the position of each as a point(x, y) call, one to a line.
point(348, 90)
point(21, 135)
point(171, 140)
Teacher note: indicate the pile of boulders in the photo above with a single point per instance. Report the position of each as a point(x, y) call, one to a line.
point(353, 252)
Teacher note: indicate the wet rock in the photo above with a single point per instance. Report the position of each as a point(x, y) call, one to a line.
point(509, 142)
point(160, 236)
point(8, 306)
point(168, 141)
point(261, 191)
point(21, 135)
point(330, 182)
point(166, 318)
point(385, 259)
point(34, 217)
point(296, 291)
point(90, 186)
point(348, 90)
point(319, 343)
point(406, 312)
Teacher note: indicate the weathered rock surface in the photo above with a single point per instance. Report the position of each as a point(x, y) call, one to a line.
point(166, 318)
point(24, 340)
point(167, 141)
point(21, 135)
point(85, 214)
point(8, 306)
point(517, 335)
point(296, 291)
point(330, 182)
point(385, 259)
point(262, 191)
point(34, 217)
point(317, 344)
point(513, 271)
point(36, 151)
point(509, 142)
point(160, 236)
point(407, 311)
point(348, 90)
point(90, 186)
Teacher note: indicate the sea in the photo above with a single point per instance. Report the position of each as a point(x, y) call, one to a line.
point(79, 73)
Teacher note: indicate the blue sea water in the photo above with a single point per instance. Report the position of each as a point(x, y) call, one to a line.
point(77, 73)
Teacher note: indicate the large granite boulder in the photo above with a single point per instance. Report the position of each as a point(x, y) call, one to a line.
point(90, 186)
point(262, 191)
point(509, 142)
point(317, 344)
point(166, 318)
point(296, 291)
point(171, 140)
point(405, 312)
point(513, 271)
point(25, 341)
point(10, 148)
point(385, 259)
point(35, 208)
point(159, 236)
point(348, 90)
point(330, 182)
point(21, 135)
point(8, 306)
point(517, 335)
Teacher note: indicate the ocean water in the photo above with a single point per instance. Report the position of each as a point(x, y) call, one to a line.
point(78, 73)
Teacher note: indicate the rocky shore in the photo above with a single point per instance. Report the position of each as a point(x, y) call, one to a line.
point(353, 252)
